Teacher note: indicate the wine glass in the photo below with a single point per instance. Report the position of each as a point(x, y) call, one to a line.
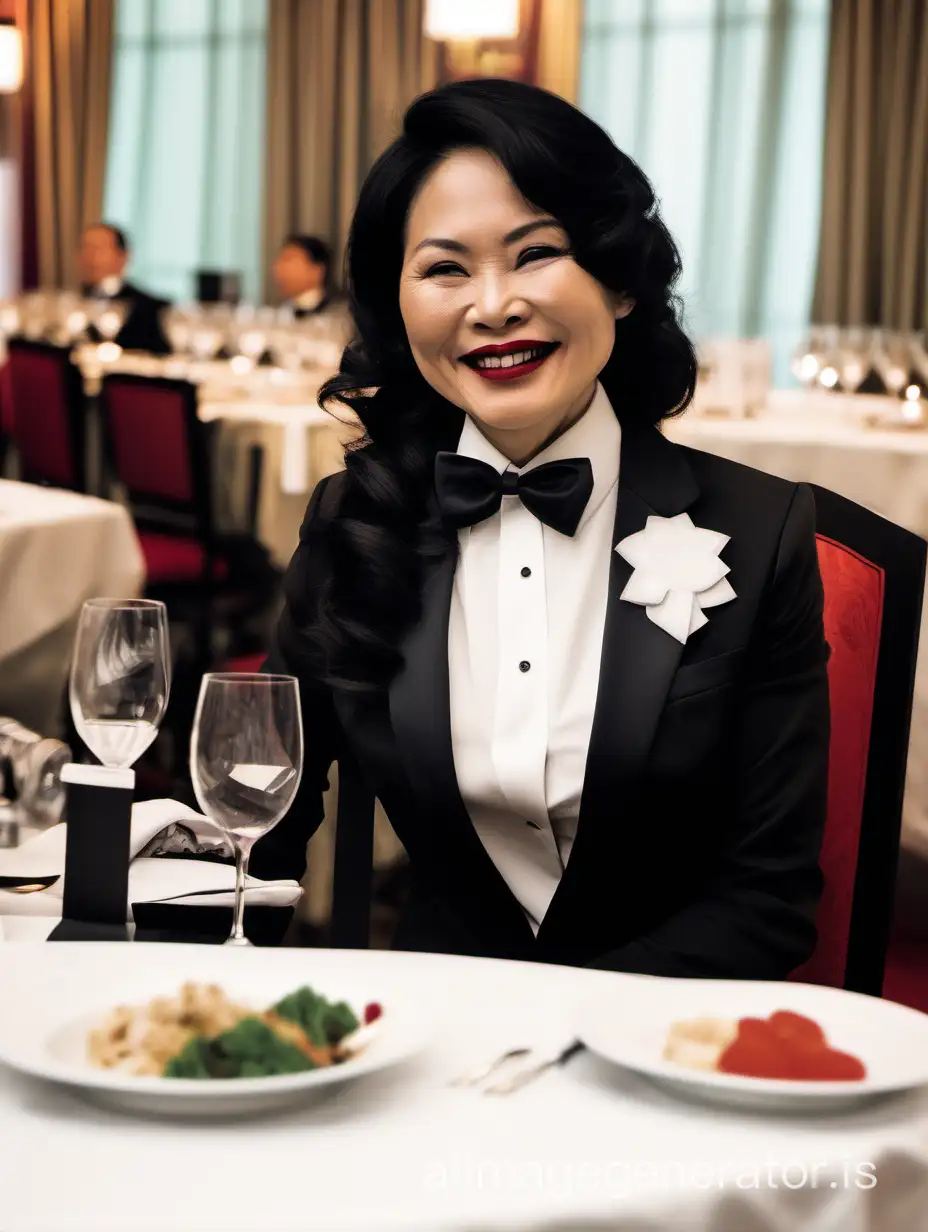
point(120, 677)
point(246, 760)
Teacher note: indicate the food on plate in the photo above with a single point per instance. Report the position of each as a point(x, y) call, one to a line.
point(784, 1046)
point(201, 1033)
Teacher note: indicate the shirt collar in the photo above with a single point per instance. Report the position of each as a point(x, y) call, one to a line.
point(110, 286)
point(596, 435)
point(307, 300)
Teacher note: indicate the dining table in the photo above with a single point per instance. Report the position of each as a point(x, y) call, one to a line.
point(589, 1146)
point(57, 549)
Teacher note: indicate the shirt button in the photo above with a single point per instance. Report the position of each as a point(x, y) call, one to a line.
point(524, 666)
point(526, 572)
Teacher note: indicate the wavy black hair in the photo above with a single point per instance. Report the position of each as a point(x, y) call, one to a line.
point(563, 163)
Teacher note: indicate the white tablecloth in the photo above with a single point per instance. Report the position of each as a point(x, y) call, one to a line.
point(819, 439)
point(586, 1147)
point(56, 550)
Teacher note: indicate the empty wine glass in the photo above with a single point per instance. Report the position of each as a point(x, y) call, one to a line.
point(246, 760)
point(809, 358)
point(120, 677)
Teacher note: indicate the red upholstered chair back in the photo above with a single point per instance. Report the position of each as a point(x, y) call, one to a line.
point(47, 414)
point(873, 576)
point(158, 448)
point(6, 400)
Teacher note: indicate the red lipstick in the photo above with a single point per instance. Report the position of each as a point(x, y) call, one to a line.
point(509, 361)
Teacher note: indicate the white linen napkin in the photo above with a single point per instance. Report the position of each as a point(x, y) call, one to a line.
point(150, 879)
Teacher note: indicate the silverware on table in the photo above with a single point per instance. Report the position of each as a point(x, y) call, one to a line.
point(486, 1071)
point(523, 1076)
point(508, 1085)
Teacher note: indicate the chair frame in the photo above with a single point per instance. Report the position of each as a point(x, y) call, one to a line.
point(76, 409)
point(901, 556)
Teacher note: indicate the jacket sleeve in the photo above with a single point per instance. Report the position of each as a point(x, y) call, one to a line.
point(758, 920)
point(282, 852)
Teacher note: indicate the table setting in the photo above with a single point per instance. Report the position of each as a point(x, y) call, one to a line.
point(385, 1089)
point(111, 857)
point(395, 1136)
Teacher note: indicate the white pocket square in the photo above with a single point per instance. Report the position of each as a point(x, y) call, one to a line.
point(676, 573)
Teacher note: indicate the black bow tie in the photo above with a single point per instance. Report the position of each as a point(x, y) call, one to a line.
point(469, 490)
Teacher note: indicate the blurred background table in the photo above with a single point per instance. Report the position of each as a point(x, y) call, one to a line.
point(56, 550)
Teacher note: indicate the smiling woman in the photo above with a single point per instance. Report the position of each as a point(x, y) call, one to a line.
point(583, 668)
point(519, 280)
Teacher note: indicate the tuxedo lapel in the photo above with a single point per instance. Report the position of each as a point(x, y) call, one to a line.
point(638, 662)
point(420, 714)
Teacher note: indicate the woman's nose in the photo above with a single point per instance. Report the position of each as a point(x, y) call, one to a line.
point(496, 306)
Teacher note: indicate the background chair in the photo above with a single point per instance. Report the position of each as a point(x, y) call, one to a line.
point(874, 574)
point(215, 585)
point(47, 414)
point(6, 415)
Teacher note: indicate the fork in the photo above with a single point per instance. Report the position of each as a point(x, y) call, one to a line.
point(508, 1085)
point(486, 1071)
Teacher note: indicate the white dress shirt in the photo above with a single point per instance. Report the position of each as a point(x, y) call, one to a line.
point(110, 286)
point(525, 594)
point(308, 301)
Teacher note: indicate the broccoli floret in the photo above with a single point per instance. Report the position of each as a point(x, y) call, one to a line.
point(250, 1049)
point(323, 1022)
point(192, 1061)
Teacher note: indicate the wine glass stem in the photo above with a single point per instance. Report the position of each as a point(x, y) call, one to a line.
point(241, 872)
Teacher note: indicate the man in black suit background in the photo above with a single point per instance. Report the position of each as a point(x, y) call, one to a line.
point(301, 274)
point(102, 260)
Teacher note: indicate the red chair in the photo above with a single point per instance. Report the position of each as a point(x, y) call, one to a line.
point(874, 574)
point(47, 420)
point(6, 413)
point(162, 454)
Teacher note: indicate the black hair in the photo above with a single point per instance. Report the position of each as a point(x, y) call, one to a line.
point(119, 236)
point(564, 164)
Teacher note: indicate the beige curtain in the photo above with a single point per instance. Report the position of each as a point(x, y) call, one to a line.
point(559, 41)
point(340, 75)
point(873, 251)
point(69, 61)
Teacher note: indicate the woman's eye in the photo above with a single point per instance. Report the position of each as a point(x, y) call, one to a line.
point(538, 252)
point(443, 268)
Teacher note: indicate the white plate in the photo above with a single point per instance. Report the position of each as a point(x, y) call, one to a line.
point(52, 994)
point(631, 1031)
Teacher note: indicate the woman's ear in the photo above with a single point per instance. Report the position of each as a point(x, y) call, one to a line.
point(622, 306)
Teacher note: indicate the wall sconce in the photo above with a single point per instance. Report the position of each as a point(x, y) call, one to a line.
point(11, 57)
point(461, 24)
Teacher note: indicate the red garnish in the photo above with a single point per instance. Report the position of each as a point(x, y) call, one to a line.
point(372, 1012)
point(787, 1046)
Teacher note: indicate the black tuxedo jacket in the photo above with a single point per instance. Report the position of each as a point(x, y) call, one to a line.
point(141, 330)
point(704, 799)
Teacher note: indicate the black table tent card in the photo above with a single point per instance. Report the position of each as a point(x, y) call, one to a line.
point(97, 852)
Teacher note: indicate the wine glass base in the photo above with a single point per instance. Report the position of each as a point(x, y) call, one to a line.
point(238, 941)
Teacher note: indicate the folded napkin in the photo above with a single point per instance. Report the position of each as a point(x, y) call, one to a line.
point(151, 880)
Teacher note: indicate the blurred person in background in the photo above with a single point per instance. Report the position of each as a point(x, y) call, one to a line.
point(102, 260)
point(301, 275)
